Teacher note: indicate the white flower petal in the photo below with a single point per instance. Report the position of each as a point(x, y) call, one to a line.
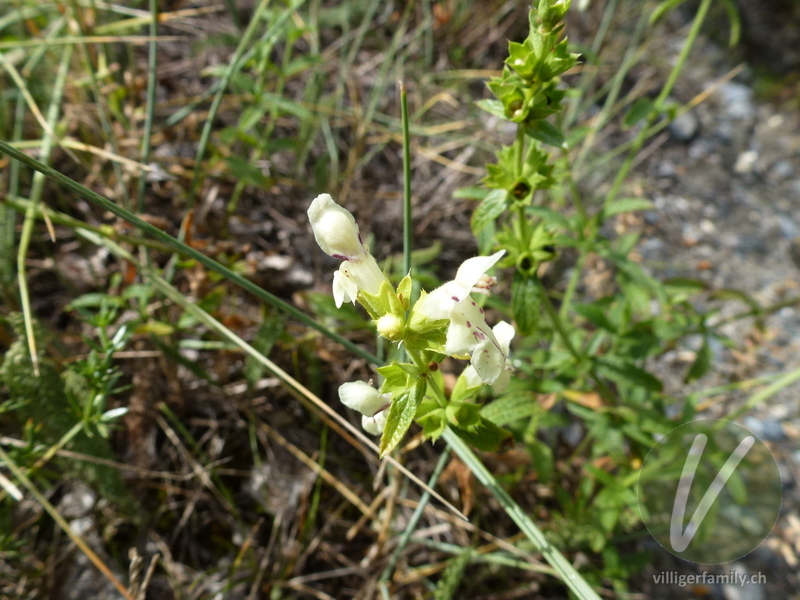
point(471, 377)
point(460, 338)
point(365, 273)
point(472, 269)
point(489, 361)
point(504, 333)
point(362, 397)
point(374, 425)
point(439, 304)
point(344, 288)
point(335, 229)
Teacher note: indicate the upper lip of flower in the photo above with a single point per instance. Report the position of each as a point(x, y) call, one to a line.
point(468, 332)
point(335, 229)
point(441, 302)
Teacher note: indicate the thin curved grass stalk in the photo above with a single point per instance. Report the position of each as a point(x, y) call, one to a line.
point(232, 66)
point(100, 102)
point(659, 102)
point(571, 578)
point(152, 62)
point(182, 248)
point(35, 197)
point(298, 389)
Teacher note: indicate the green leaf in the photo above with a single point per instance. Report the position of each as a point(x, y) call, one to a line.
point(492, 207)
point(493, 107)
point(624, 205)
point(432, 418)
point(701, 364)
point(401, 415)
point(638, 111)
point(385, 301)
point(451, 578)
point(246, 172)
point(299, 65)
point(266, 336)
point(542, 457)
point(546, 132)
point(685, 285)
point(732, 294)
point(627, 373)
point(471, 193)
point(461, 391)
point(395, 379)
point(551, 217)
point(525, 302)
point(404, 291)
point(485, 436)
point(511, 407)
point(662, 9)
point(595, 314)
point(463, 414)
point(736, 22)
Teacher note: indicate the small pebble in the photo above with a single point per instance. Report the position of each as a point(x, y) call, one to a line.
point(685, 127)
point(737, 100)
point(765, 429)
point(746, 162)
point(781, 171)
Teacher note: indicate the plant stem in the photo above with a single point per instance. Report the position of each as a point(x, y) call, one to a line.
point(407, 225)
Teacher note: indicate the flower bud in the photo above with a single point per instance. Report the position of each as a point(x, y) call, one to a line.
point(335, 229)
point(391, 327)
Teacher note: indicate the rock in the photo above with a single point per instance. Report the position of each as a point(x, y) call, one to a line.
point(700, 148)
point(787, 227)
point(766, 429)
point(780, 171)
point(666, 169)
point(737, 100)
point(749, 245)
point(685, 127)
point(744, 588)
point(794, 252)
point(746, 162)
point(77, 502)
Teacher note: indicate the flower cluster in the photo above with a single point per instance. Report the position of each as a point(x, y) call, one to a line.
point(446, 322)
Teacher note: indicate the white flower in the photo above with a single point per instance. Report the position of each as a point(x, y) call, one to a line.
point(504, 333)
point(369, 402)
point(337, 234)
point(468, 334)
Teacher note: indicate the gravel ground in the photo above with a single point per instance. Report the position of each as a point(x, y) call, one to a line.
point(726, 183)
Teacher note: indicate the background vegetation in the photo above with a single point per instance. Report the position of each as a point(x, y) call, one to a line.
point(172, 348)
